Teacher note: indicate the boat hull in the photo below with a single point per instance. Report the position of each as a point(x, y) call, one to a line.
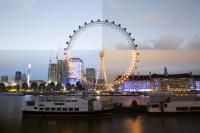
point(86, 113)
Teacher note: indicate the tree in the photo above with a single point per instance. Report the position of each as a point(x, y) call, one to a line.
point(51, 86)
point(24, 86)
point(34, 86)
point(42, 86)
point(2, 87)
point(68, 86)
point(17, 87)
point(79, 86)
point(58, 87)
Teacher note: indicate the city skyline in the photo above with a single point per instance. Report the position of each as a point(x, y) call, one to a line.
point(39, 60)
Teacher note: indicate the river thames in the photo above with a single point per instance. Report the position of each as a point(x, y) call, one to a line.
point(12, 120)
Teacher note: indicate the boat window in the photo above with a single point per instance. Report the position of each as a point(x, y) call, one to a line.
point(58, 103)
point(41, 108)
point(74, 100)
point(165, 105)
point(42, 99)
point(155, 105)
point(58, 109)
point(70, 109)
point(67, 100)
point(47, 109)
point(55, 99)
point(61, 99)
point(76, 109)
point(64, 109)
point(30, 103)
point(181, 108)
point(48, 99)
point(52, 109)
point(194, 108)
point(35, 107)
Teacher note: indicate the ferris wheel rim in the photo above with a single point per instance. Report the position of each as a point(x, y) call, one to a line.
point(112, 25)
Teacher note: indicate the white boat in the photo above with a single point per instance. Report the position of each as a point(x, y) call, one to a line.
point(174, 107)
point(65, 105)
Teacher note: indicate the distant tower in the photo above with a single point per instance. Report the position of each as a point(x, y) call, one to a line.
point(29, 74)
point(101, 67)
point(165, 71)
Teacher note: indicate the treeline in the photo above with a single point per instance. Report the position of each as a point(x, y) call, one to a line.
point(50, 87)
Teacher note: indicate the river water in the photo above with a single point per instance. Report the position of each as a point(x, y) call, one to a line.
point(12, 121)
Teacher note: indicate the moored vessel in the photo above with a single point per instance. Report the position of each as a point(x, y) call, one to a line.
point(65, 105)
point(169, 106)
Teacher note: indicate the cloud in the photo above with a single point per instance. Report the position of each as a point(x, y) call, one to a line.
point(193, 43)
point(163, 43)
point(168, 42)
point(121, 46)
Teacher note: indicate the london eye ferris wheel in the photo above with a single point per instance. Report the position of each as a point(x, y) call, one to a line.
point(123, 32)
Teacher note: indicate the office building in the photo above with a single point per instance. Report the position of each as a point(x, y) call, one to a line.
point(90, 75)
point(4, 78)
point(52, 72)
point(18, 76)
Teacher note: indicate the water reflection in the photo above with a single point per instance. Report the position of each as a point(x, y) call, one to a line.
point(134, 124)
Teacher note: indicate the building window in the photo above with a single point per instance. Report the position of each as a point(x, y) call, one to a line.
point(30, 103)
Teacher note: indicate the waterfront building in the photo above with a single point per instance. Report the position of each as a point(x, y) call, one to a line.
point(18, 76)
point(172, 82)
point(4, 78)
point(196, 82)
point(136, 83)
point(90, 74)
point(161, 82)
point(52, 72)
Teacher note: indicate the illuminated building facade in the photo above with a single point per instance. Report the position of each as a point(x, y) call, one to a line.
point(77, 70)
point(162, 82)
point(136, 83)
point(172, 82)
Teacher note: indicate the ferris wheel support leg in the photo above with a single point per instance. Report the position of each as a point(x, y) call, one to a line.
point(104, 72)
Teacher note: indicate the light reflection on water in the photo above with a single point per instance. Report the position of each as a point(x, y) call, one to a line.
point(11, 120)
